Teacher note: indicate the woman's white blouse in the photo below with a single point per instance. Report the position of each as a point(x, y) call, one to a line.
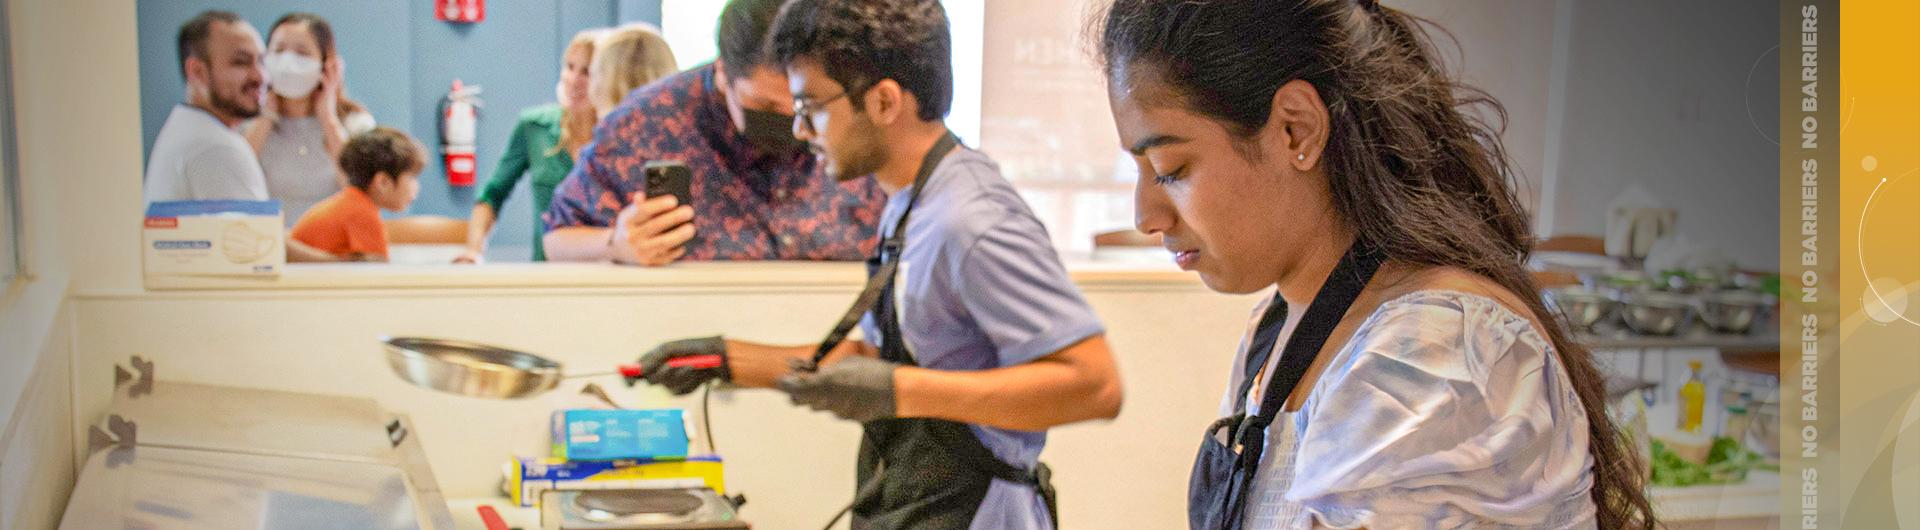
point(1444, 410)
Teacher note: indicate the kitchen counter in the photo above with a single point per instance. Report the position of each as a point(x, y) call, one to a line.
point(688, 275)
point(1751, 504)
point(1754, 503)
point(466, 515)
point(1758, 342)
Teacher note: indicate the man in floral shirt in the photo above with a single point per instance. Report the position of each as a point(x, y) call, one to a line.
point(757, 192)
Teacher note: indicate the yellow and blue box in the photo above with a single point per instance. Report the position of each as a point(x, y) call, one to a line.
point(599, 434)
point(533, 475)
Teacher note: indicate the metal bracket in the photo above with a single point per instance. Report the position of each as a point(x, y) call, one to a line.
point(142, 383)
point(119, 434)
point(396, 432)
point(98, 439)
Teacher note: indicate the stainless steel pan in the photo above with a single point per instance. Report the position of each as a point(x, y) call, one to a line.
point(471, 369)
point(480, 370)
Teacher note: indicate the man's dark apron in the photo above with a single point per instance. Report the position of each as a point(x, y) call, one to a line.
point(1223, 471)
point(919, 472)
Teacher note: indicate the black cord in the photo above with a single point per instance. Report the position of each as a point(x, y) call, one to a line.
point(706, 420)
point(837, 516)
point(873, 483)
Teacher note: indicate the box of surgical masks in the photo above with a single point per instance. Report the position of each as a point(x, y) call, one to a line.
point(597, 434)
point(214, 238)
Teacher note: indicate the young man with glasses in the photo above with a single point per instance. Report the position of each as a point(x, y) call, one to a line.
point(975, 340)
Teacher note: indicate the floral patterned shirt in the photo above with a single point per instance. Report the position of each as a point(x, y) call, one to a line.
point(748, 205)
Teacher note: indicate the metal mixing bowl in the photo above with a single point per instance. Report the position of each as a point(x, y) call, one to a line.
point(1655, 312)
point(1731, 311)
point(1582, 307)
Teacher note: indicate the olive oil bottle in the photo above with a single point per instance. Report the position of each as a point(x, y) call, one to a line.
point(1693, 400)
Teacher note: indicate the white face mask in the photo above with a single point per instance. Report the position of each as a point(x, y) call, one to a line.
point(292, 75)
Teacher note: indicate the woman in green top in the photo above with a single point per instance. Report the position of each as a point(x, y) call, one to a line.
point(543, 145)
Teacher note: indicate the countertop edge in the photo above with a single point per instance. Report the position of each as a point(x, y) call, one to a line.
point(712, 276)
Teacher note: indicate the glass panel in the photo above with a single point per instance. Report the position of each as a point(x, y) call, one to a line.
point(10, 255)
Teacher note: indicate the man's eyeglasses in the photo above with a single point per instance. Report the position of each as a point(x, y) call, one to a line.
point(804, 110)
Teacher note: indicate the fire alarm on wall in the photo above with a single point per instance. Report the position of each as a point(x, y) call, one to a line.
point(465, 11)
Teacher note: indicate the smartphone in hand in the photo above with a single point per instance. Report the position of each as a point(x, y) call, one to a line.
point(670, 177)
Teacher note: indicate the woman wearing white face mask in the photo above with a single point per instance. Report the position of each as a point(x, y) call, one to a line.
point(306, 116)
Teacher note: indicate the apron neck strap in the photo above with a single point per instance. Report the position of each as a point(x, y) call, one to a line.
point(887, 255)
point(1330, 304)
point(892, 242)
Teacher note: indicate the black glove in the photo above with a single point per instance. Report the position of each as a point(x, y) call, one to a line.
point(855, 388)
point(682, 380)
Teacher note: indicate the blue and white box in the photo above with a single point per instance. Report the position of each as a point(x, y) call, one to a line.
point(214, 238)
point(599, 434)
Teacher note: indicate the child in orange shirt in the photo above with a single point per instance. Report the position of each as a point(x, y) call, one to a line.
point(383, 169)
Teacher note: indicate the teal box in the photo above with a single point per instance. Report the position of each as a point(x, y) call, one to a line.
point(595, 434)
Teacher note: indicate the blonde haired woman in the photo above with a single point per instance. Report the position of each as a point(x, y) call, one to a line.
point(543, 145)
point(629, 57)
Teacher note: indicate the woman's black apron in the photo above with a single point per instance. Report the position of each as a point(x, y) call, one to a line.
point(1229, 457)
point(919, 473)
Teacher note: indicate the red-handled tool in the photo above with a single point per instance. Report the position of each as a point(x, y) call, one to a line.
point(492, 519)
point(633, 372)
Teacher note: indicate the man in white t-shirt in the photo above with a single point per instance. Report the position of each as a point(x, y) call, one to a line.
point(199, 155)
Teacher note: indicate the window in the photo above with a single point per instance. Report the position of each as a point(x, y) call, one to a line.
point(690, 25)
point(10, 258)
point(1044, 118)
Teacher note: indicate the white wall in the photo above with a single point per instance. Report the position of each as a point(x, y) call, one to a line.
point(79, 120)
point(1505, 48)
point(36, 471)
point(36, 466)
point(1660, 95)
point(1657, 95)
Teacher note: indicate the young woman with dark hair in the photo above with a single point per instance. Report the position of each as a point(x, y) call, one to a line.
point(1406, 373)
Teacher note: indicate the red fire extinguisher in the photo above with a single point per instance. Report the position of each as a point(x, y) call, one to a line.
point(468, 11)
point(459, 119)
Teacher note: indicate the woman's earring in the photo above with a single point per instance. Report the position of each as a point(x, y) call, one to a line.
point(1301, 157)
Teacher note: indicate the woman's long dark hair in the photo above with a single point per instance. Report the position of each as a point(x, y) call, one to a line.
point(322, 35)
point(1410, 167)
